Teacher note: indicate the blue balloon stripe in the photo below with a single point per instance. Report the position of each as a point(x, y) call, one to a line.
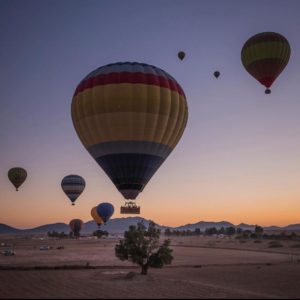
point(130, 171)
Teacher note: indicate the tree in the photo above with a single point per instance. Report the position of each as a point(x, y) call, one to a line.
point(168, 232)
point(258, 229)
point(211, 231)
point(222, 230)
point(230, 230)
point(141, 246)
point(197, 231)
point(239, 230)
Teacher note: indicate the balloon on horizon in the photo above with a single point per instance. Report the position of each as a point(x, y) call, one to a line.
point(76, 226)
point(73, 186)
point(264, 56)
point(99, 221)
point(105, 211)
point(17, 176)
point(129, 116)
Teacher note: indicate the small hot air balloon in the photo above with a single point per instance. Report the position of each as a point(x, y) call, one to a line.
point(105, 211)
point(264, 56)
point(76, 226)
point(96, 217)
point(181, 55)
point(217, 74)
point(17, 176)
point(73, 186)
point(129, 116)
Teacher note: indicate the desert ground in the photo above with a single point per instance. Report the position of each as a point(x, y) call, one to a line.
point(203, 267)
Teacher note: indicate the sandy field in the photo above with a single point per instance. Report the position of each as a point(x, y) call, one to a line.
point(203, 267)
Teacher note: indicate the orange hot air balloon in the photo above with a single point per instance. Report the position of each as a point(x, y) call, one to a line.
point(96, 217)
point(264, 56)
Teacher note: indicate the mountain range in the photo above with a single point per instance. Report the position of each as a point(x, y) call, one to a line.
point(119, 225)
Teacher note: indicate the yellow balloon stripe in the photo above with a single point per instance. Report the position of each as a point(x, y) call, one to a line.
point(95, 216)
point(266, 50)
point(126, 97)
point(132, 126)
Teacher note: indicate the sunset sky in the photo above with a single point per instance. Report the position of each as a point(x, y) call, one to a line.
point(239, 157)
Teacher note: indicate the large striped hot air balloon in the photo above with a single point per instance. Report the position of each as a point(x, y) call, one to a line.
point(17, 176)
point(129, 116)
point(76, 226)
point(264, 56)
point(73, 186)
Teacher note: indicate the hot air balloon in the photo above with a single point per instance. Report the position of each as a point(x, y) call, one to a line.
point(105, 211)
point(217, 74)
point(96, 217)
point(264, 56)
point(129, 116)
point(181, 55)
point(17, 176)
point(73, 186)
point(76, 226)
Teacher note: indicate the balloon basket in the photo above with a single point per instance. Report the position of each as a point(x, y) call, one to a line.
point(130, 208)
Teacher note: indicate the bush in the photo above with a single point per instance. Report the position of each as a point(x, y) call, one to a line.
point(275, 244)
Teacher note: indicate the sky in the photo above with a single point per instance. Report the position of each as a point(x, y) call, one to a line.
point(239, 157)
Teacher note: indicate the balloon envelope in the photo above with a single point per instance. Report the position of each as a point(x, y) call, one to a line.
point(73, 186)
point(76, 225)
point(96, 217)
point(105, 211)
point(216, 74)
point(17, 176)
point(181, 55)
point(129, 116)
point(265, 55)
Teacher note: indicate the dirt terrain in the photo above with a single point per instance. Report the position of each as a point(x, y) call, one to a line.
point(203, 267)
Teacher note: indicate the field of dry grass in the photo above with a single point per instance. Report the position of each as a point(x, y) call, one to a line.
point(203, 267)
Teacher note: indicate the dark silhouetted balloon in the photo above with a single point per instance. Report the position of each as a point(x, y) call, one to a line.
point(264, 56)
point(217, 74)
point(76, 226)
point(181, 55)
point(17, 176)
point(105, 211)
point(73, 186)
point(129, 116)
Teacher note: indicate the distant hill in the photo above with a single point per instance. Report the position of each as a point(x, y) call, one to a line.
point(293, 227)
point(204, 225)
point(119, 225)
point(5, 229)
point(58, 227)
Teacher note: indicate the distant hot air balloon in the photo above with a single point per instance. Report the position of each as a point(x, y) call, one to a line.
point(264, 56)
point(73, 186)
point(181, 55)
point(105, 211)
point(76, 226)
point(217, 74)
point(96, 217)
point(129, 116)
point(17, 176)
